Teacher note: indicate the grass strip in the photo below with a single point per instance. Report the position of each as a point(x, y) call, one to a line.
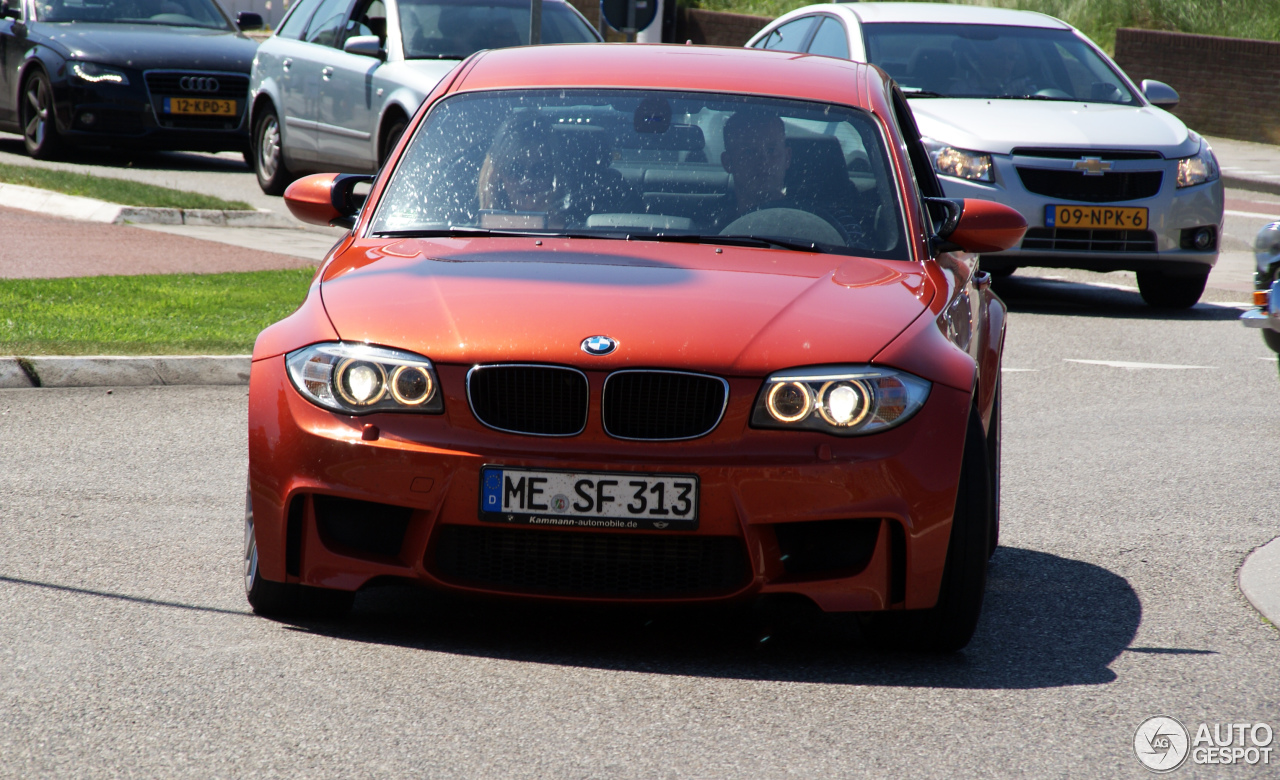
point(157, 314)
point(122, 191)
point(1098, 19)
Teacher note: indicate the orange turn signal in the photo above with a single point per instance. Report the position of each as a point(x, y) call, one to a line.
point(1261, 298)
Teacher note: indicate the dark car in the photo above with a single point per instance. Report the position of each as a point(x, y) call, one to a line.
point(152, 74)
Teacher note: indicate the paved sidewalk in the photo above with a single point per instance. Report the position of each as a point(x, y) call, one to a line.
point(1248, 166)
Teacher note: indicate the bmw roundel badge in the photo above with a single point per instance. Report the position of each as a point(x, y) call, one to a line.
point(598, 345)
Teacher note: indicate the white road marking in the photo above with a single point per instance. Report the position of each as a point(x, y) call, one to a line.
point(1252, 214)
point(1269, 360)
point(1132, 366)
point(1017, 370)
point(1090, 284)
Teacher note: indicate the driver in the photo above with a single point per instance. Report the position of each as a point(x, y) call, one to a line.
point(520, 174)
point(756, 155)
point(1005, 68)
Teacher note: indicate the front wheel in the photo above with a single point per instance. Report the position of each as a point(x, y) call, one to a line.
point(281, 599)
point(268, 154)
point(949, 625)
point(39, 126)
point(1168, 291)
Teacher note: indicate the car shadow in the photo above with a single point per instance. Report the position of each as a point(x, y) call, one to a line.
point(136, 158)
point(1048, 621)
point(1057, 296)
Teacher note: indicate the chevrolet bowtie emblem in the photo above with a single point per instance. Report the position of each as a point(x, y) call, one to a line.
point(1092, 166)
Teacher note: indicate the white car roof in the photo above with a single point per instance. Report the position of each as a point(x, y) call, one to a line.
point(943, 13)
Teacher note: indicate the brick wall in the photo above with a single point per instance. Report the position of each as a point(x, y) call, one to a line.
point(1226, 85)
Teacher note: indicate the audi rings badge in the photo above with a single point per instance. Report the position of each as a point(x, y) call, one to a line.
point(198, 84)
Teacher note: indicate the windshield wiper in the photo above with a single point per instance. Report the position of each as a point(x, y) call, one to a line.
point(463, 232)
point(922, 93)
point(749, 241)
point(1034, 97)
point(438, 57)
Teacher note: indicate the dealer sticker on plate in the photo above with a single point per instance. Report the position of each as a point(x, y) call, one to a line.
point(1106, 217)
point(589, 499)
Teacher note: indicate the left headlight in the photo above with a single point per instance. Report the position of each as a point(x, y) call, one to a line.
point(94, 73)
point(1200, 168)
point(843, 400)
point(361, 379)
point(960, 163)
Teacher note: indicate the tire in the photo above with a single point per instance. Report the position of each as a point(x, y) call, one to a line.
point(268, 154)
point(39, 124)
point(279, 599)
point(949, 625)
point(1167, 291)
point(390, 137)
point(994, 434)
point(1272, 339)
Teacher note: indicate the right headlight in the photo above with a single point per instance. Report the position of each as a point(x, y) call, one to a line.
point(361, 379)
point(960, 163)
point(842, 400)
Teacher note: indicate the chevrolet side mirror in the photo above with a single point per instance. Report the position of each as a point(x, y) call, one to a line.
point(1159, 93)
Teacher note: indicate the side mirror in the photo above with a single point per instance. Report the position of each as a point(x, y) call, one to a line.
point(1159, 93)
point(326, 198)
point(365, 46)
point(247, 20)
point(976, 226)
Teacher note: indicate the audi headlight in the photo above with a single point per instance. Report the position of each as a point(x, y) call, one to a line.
point(360, 379)
point(1198, 169)
point(94, 73)
point(844, 400)
point(960, 163)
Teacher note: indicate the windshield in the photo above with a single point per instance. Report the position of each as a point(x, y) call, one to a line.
point(992, 61)
point(649, 164)
point(174, 13)
point(456, 29)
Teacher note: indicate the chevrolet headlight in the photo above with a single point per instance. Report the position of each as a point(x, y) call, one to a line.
point(843, 400)
point(94, 73)
point(1198, 169)
point(960, 163)
point(360, 379)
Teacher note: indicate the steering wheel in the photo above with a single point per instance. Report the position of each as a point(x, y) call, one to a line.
point(1050, 92)
point(788, 222)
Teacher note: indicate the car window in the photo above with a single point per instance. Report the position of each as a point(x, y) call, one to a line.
point(790, 36)
point(830, 40)
point(328, 22)
point(455, 29)
point(649, 163)
point(993, 61)
point(297, 19)
point(170, 13)
point(368, 18)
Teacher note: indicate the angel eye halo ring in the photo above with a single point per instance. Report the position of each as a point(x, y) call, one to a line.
point(361, 379)
point(839, 400)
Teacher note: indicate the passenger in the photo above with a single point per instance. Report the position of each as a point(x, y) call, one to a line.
point(521, 174)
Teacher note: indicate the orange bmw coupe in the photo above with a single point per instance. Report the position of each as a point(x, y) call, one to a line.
point(641, 324)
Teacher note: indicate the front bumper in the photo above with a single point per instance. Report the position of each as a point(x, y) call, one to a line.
point(1171, 211)
point(422, 475)
point(130, 116)
point(1265, 317)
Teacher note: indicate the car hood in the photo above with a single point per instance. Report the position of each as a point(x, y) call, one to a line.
point(146, 46)
point(743, 312)
point(999, 126)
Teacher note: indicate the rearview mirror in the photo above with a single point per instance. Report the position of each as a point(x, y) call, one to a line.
point(1159, 93)
point(976, 226)
point(326, 198)
point(247, 20)
point(365, 46)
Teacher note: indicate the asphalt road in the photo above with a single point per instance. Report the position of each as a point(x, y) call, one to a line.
point(1131, 496)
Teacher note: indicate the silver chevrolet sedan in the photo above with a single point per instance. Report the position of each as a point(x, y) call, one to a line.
point(335, 86)
point(1021, 108)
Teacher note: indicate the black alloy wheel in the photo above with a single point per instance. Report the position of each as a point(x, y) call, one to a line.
point(268, 154)
point(391, 137)
point(1170, 291)
point(39, 125)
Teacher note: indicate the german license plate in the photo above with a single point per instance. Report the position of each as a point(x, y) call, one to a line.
point(199, 106)
point(1112, 217)
point(589, 499)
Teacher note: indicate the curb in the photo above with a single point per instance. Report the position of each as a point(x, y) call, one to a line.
point(107, 371)
point(57, 204)
point(1260, 580)
point(1252, 185)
